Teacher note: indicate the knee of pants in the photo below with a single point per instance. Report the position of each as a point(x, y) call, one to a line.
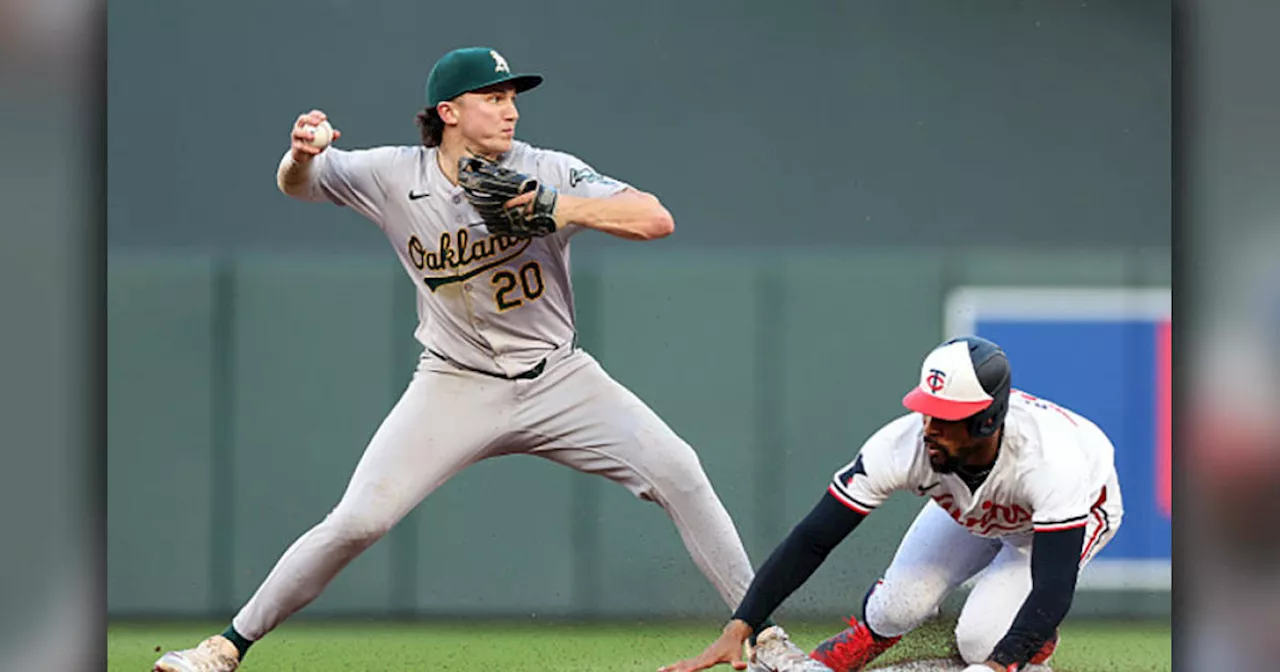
point(677, 478)
point(975, 641)
point(891, 610)
point(355, 530)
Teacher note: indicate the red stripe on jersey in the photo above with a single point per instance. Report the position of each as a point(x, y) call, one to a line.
point(1094, 537)
point(846, 501)
point(1061, 526)
point(1096, 510)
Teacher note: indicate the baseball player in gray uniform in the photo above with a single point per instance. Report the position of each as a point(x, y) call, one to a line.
point(501, 372)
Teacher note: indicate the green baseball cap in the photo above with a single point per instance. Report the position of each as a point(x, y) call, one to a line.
point(470, 69)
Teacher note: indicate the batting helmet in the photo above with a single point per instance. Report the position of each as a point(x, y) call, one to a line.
point(966, 377)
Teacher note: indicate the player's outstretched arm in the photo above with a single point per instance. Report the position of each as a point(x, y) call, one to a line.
point(630, 214)
point(797, 558)
point(788, 567)
point(294, 172)
point(1055, 558)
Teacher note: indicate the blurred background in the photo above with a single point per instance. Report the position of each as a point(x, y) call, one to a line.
point(927, 163)
point(848, 181)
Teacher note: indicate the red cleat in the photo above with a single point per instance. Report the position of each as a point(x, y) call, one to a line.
point(852, 649)
point(1042, 656)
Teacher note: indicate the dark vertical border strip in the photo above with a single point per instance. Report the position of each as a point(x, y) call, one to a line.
point(770, 445)
point(1182, 83)
point(584, 496)
point(222, 436)
point(95, 288)
point(403, 600)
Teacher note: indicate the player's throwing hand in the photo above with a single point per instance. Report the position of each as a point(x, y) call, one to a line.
point(303, 137)
point(726, 649)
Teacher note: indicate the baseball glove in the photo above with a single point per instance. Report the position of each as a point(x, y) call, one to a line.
point(489, 186)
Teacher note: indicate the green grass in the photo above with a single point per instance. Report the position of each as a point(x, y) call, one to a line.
point(312, 646)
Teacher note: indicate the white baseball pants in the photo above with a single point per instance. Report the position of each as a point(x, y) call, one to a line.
point(937, 555)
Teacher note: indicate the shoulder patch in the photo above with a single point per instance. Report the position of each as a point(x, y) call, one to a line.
point(848, 474)
point(580, 175)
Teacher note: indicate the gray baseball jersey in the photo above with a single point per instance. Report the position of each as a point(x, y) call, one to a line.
point(501, 306)
point(491, 303)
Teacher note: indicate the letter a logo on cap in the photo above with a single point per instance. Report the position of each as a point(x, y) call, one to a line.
point(500, 63)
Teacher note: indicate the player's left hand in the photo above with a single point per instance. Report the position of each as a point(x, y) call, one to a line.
point(726, 649)
point(560, 215)
point(521, 200)
point(510, 203)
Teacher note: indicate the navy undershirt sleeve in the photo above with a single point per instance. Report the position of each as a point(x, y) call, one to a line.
point(797, 558)
point(1055, 561)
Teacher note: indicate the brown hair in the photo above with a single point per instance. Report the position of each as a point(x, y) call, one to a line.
point(431, 126)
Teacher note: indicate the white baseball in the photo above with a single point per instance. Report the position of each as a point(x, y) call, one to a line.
point(323, 134)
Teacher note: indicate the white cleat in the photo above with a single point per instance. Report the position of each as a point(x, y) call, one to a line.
point(775, 652)
point(215, 654)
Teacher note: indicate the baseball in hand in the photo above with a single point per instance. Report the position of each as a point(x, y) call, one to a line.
point(323, 134)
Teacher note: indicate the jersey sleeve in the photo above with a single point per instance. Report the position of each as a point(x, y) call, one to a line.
point(353, 178)
point(573, 176)
point(1060, 495)
point(882, 466)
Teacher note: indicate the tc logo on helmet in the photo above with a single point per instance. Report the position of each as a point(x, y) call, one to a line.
point(936, 380)
point(500, 63)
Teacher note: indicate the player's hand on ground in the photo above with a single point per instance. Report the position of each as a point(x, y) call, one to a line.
point(726, 649)
point(300, 139)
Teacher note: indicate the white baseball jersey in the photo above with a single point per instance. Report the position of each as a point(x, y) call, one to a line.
point(1055, 470)
point(491, 303)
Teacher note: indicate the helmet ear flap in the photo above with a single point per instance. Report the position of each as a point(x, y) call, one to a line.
point(992, 369)
point(988, 421)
